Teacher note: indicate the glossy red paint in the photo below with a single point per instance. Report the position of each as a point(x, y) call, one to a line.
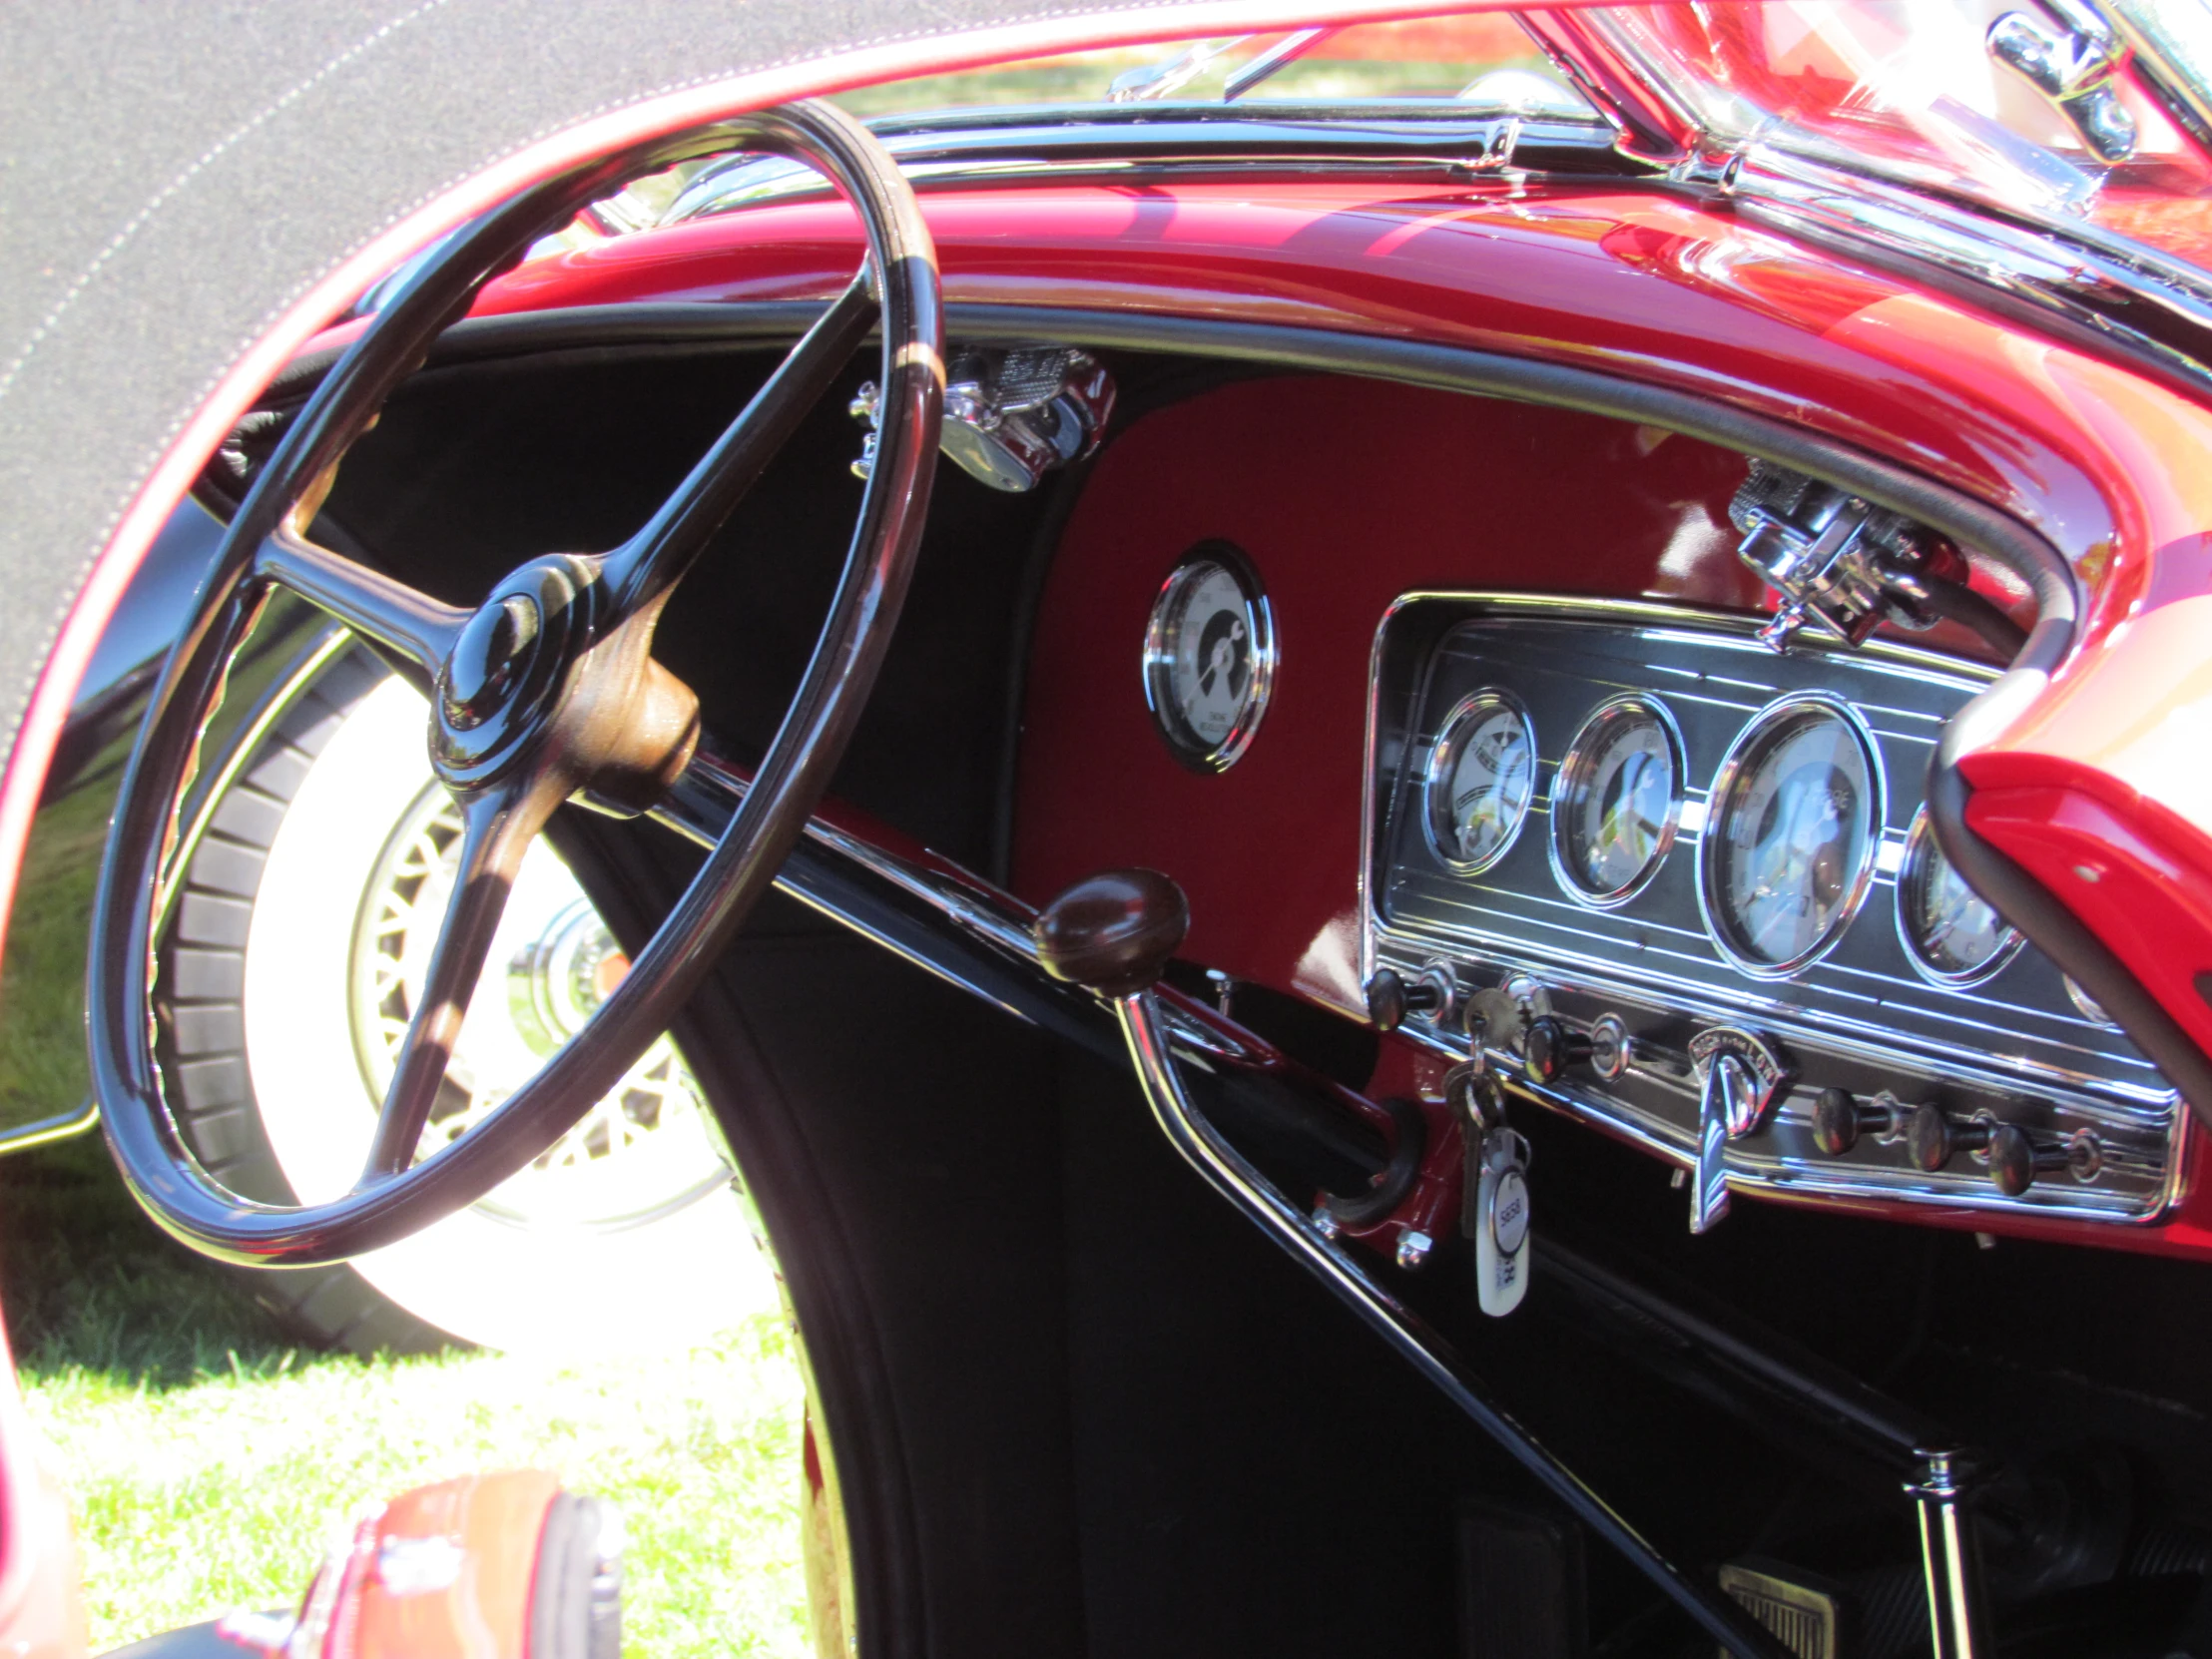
point(1648, 286)
point(445, 1571)
point(1269, 851)
point(1651, 286)
point(2120, 865)
point(1657, 288)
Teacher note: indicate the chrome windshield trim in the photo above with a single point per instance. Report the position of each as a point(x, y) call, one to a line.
point(2124, 292)
point(1040, 142)
point(2127, 295)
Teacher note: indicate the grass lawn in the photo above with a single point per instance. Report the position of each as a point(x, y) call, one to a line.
point(209, 1461)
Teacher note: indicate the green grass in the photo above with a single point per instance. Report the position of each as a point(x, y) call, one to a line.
point(42, 974)
point(210, 1460)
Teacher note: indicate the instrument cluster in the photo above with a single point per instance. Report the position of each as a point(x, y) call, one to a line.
point(1675, 882)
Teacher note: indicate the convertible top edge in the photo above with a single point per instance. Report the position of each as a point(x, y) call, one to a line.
point(40, 579)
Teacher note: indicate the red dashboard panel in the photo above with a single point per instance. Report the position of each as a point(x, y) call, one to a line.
point(1651, 286)
point(1343, 495)
point(1654, 287)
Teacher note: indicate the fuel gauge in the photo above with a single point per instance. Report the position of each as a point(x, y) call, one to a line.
point(1954, 936)
point(1481, 777)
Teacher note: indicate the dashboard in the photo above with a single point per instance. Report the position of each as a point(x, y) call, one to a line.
point(1683, 887)
point(1488, 731)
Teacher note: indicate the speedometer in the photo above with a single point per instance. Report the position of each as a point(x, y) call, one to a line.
point(1209, 657)
point(1482, 776)
point(1789, 843)
point(1951, 932)
point(1615, 801)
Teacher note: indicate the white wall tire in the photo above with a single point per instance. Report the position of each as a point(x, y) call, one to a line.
point(628, 1237)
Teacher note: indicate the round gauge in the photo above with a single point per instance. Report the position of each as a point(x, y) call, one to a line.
point(1790, 834)
point(1951, 932)
point(1482, 776)
point(1209, 657)
point(1615, 801)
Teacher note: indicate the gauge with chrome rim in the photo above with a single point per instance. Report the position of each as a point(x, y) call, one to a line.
point(1791, 832)
point(1616, 801)
point(1954, 936)
point(1482, 777)
point(1209, 657)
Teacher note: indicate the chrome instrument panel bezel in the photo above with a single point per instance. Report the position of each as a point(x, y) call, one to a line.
point(1735, 766)
point(1574, 775)
point(1861, 1016)
point(1157, 663)
point(1454, 729)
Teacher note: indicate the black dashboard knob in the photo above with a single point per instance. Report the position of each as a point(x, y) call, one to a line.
point(1841, 1117)
point(1550, 1047)
point(1391, 1000)
point(2011, 1159)
point(1932, 1137)
point(1386, 999)
point(2015, 1160)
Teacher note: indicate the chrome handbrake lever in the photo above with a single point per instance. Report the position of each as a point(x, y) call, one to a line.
point(1114, 933)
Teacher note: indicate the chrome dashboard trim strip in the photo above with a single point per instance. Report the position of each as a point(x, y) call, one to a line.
point(2151, 1107)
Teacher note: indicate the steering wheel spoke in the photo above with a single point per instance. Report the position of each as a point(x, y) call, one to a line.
point(498, 826)
point(404, 621)
point(656, 557)
point(546, 689)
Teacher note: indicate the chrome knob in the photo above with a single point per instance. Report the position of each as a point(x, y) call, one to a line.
point(1841, 1117)
point(1392, 999)
point(1932, 1137)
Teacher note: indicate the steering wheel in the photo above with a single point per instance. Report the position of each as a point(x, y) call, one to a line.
point(546, 690)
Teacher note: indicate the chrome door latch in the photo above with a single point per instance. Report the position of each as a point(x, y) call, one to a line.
point(1011, 414)
point(1833, 557)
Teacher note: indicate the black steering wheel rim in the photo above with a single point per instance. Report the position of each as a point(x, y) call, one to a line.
point(586, 709)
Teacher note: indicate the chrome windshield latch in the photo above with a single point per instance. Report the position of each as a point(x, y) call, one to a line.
point(2071, 64)
point(1833, 557)
point(1011, 414)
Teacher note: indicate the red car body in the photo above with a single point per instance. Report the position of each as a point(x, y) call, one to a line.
point(1360, 467)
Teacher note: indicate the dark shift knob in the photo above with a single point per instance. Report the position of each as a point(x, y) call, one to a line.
point(1113, 932)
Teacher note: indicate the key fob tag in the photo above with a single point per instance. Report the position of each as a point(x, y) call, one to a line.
point(1501, 1224)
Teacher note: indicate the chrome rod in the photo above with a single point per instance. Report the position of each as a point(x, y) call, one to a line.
point(1145, 1029)
point(995, 958)
point(1956, 1602)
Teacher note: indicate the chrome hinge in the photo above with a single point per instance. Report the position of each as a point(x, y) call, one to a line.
point(1833, 557)
point(1717, 166)
point(2073, 63)
point(1011, 415)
